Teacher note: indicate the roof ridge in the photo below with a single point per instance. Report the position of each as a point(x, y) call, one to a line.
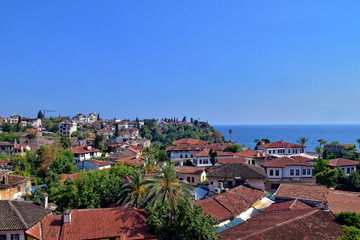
point(285, 222)
point(293, 203)
point(17, 213)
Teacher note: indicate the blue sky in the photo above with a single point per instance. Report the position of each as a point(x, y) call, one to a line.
point(228, 62)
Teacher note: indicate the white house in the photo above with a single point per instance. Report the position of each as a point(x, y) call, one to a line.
point(67, 128)
point(108, 132)
point(235, 174)
point(194, 175)
point(282, 148)
point(185, 148)
point(82, 153)
point(93, 165)
point(345, 164)
point(286, 167)
point(202, 159)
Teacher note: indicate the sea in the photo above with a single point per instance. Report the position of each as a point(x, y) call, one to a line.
point(246, 134)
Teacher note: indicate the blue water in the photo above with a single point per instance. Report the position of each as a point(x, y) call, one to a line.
point(246, 134)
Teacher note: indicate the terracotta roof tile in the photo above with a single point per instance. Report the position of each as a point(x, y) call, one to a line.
point(190, 170)
point(340, 162)
point(315, 193)
point(232, 170)
point(280, 144)
point(231, 160)
point(285, 161)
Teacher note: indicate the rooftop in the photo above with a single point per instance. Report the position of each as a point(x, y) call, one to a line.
point(232, 170)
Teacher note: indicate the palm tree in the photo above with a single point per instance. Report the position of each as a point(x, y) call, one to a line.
point(319, 151)
point(149, 165)
point(335, 143)
point(230, 132)
point(358, 141)
point(322, 142)
point(134, 193)
point(166, 187)
point(302, 141)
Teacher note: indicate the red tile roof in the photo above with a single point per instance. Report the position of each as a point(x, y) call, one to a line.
point(253, 154)
point(188, 144)
point(280, 144)
point(315, 193)
point(69, 176)
point(341, 162)
point(131, 160)
point(128, 223)
point(236, 201)
point(343, 201)
point(287, 205)
point(231, 160)
point(205, 153)
point(309, 224)
point(83, 149)
point(190, 170)
point(3, 161)
point(99, 163)
point(132, 149)
point(31, 130)
point(303, 159)
point(285, 161)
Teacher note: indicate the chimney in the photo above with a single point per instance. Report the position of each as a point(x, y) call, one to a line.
point(67, 217)
point(181, 163)
point(15, 143)
point(175, 147)
point(197, 146)
point(188, 145)
point(88, 147)
point(44, 200)
point(258, 154)
point(282, 140)
point(137, 156)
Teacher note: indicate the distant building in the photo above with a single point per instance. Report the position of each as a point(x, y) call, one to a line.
point(345, 164)
point(235, 174)
point(93, 164)
point(67, 128)
point(287, 170)
point(13, 148)
point(13, 187)
point(282, 148)
point(82, 153)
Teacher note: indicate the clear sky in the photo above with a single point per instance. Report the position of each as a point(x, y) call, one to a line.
point(228, 62)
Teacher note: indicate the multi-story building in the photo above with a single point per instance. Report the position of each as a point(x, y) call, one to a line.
point(67, 128)
point(282, 148)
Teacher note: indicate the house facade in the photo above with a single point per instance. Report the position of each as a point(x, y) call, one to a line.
point(282, 148)
point(93, 164)
point(82, 153)
point(193, 175)
point(67, 128)
point(13, 187)
point(346, 165)
point(287, 170)
point(185, 148)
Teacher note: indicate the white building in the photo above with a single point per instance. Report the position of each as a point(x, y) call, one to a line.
point(286, 167)
point(82, 153)
point(202, 159)
point(346, 165)
point(185, 148)
point(193, 175)
point(67, 128)
point(282, 148)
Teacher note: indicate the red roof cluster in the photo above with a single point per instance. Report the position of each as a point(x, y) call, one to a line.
point(129, 223)
point(131, 159)
point(230, 204)
point(285, 161)
point(253, 154)
point(31, 130)
point(186, 144)
point(99, 163)
point(226, 160)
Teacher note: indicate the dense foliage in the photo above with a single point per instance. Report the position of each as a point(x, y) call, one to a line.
point(351, 225)
point(171, 132)
point(233, 148)
point(187, 222)
point(338, 178)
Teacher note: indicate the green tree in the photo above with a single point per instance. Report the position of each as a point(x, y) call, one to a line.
point(149, 164)
point(166, 187)
point(134, 193)
point(117, 132)
point(65, 141)
point(184, 119)
point(233, 148)
point(230, 132)
point(319, 151)
point(350, 233)
point(302, 141)
point(328, 177)
point(188, 222)
point(7, 127)
point(354, 179)
point(98, 142)
point(322, 142)
point(40, 115)
point(358, 141)
point(213, 154)
point(18, 125)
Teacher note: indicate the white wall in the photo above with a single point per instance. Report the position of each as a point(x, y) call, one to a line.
point(184, 154)
point(256, 183)
point(8, 234)
point(286, 172)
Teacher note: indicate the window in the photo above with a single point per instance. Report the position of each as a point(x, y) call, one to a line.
point(181, 156)
point(297, 172)
point(347, 170)
point(271, 172)
point(211, 183)
point(308, 171)
point(230, 183)
point(192, 179)
point(14, 236)
point(275, 186)
point(2, 237)
point(304, 171)
point(188, 179)
point(291, 172)
point(276, 172)
point(185, 155)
